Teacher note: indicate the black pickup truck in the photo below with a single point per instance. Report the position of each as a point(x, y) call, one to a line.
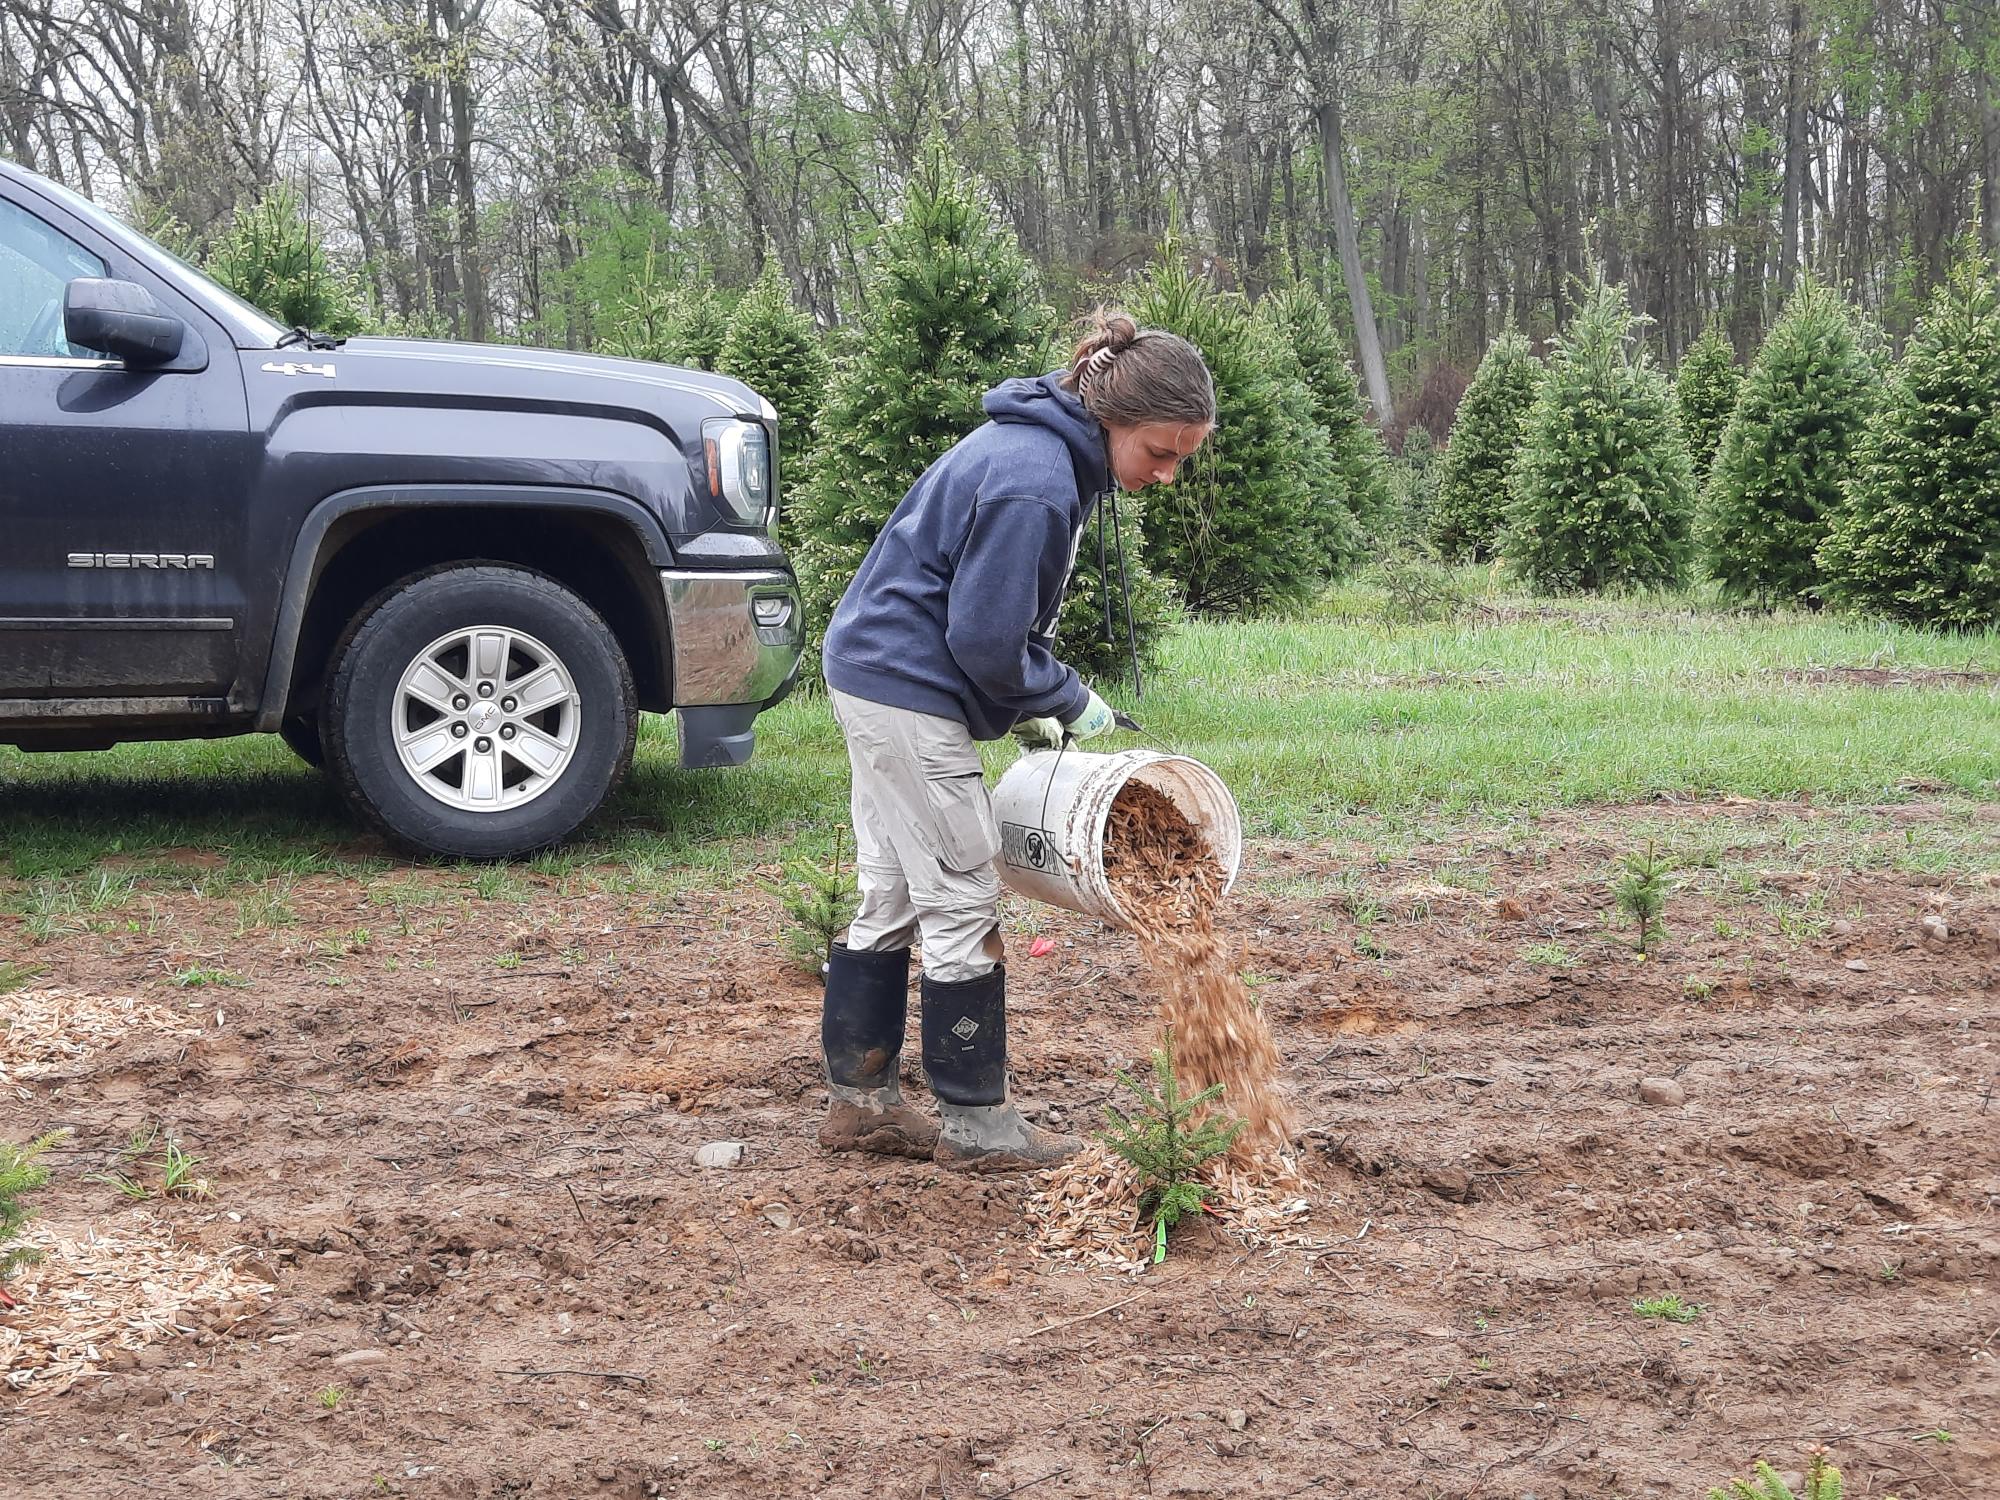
point(452, 574)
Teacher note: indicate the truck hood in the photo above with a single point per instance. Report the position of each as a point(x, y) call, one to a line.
point(433, 368)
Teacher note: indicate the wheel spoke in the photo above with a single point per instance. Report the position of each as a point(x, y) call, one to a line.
point(428, 748)
point(489, 654)
point(482, 777)
point(539, 752)
point(432, 685)
point(539, 689)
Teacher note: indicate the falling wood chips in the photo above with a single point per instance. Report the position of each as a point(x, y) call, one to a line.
point(1087, 1212)
point(47, 1032)
point(120, 1288)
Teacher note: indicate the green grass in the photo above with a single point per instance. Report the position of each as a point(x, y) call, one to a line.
point(204, 976)
point(1668, 1306)
point(1528, 705)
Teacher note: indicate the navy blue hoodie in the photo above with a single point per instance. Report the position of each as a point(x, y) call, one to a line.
point(953, 612)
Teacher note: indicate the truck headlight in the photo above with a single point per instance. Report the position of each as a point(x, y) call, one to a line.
point(738, 454)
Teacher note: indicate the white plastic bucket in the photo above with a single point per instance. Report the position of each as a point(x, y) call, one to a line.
point(1052, 807)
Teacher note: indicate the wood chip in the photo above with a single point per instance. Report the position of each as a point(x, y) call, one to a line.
point(48, 1033)
point(123, 1287)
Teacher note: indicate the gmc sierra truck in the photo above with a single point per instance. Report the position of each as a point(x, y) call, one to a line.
point(451, 574)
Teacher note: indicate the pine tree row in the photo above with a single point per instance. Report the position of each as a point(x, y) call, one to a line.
point(1819, 474)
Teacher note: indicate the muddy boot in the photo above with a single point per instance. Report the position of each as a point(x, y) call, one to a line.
point(861, 1036)
point(965, 1057)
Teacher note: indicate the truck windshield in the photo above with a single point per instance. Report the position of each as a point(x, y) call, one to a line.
point(252, 328)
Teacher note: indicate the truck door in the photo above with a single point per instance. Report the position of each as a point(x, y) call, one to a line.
point(122, 492)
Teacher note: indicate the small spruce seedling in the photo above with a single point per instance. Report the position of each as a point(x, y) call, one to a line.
point(1641, 891)
point(1822, 1483)
point(1166, 1143)
point(21, 1173)
point(819, 901)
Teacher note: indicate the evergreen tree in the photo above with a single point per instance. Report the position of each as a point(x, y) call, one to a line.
point(1471, 504)
point(1705, 390)
point(1414, 477)
point(271, 257)
point(670, 320)
point(1335, 531)
point(1237, 531)
point(21, 1173)
point(774, 349)
point(1917, 535)
point(699, 324)
point(952, 311)
point(1360, 462)
point(641, 326)
point(1602, 492)
point(1788, 449)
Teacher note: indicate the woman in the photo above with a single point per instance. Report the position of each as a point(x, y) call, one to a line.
point(944, 638)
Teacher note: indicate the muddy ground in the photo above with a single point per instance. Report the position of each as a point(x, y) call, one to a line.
point(458, 1131)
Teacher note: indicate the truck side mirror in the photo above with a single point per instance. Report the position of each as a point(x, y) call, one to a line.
point(121, 319)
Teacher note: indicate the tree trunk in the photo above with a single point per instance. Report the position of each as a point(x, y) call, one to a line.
point(1989, 138)
point(1795, 142)
point(1340, 212)
point(1667, 230)
point(472, 273)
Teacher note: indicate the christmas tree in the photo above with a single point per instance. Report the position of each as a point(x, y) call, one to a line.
point(774, 349)
point(1237, 532)
point(1917, 535)
point(1705, 394)
point(697, 326)
point(1335, 531)
point(1788, 450)
point(1360, 462)
point(1603, 494)
point(952, 311)
point(272, 258)
point(1471, 504)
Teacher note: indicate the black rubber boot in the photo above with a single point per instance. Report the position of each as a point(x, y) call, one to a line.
point(861, 1037)
point(965, 1058)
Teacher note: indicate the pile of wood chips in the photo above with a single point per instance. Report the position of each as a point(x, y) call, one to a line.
point(48, 1032)
point(1087, 1213)
point(119, 1288)
point(1170, 884)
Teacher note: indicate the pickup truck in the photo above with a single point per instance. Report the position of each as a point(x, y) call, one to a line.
point(450, 574)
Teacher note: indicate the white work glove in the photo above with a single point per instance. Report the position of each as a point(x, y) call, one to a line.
point(1040, 734)
point(1094, 720)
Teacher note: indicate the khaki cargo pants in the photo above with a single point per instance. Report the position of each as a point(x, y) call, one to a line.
point(924, 838)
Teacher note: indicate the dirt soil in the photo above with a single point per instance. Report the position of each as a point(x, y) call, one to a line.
point(464, 1142)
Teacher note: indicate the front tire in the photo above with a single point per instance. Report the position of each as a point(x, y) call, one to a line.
point(479, 712)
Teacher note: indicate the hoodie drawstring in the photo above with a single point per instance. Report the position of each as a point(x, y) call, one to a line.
point(1110, 498)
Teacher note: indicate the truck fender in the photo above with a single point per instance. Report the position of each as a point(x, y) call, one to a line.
point(303, 570)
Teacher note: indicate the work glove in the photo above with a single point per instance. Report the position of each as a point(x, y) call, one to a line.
point(1095, 719)
point(1040, 734)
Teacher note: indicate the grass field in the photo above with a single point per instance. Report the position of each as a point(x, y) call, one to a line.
point(1315, 722)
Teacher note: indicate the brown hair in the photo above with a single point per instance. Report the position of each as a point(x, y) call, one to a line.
point(1131, 375)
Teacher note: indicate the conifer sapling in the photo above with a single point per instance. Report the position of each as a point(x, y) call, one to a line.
point(21, 1173)
point(1641, 890)
point(1167, 1140)
point(818, 901)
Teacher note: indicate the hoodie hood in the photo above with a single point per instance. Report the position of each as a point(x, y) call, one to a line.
point(1041, 401)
